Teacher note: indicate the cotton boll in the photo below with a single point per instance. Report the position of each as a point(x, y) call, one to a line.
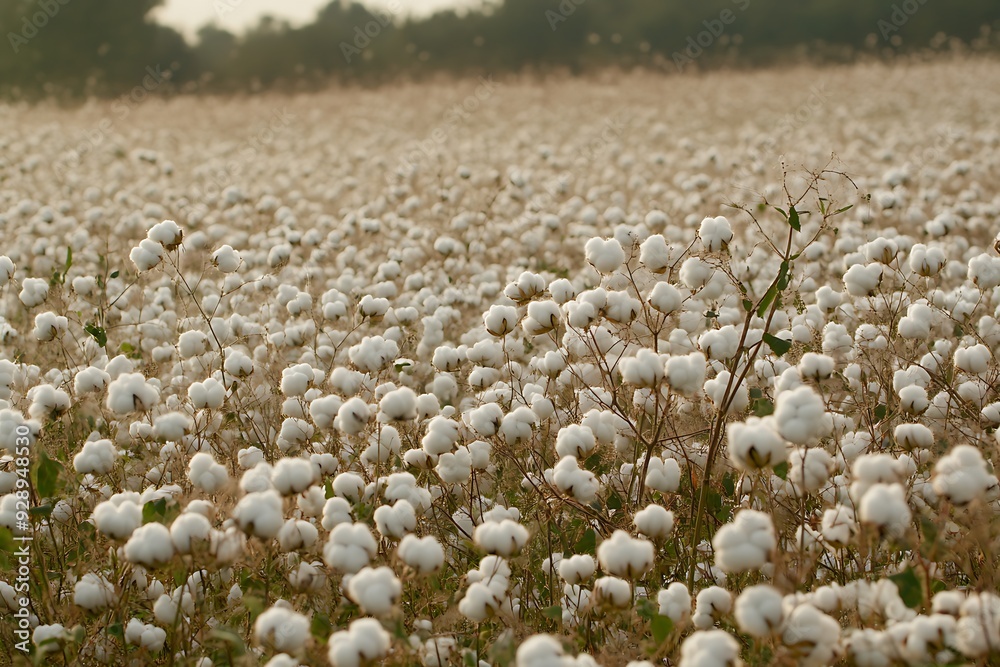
point(812, 636)
point(926, 261)
point(118, 517)
point(839, 526)
point(645, 369)
point(149, 545)
point(130, 392)
point(570, 479)
point(349, 548)
point(575, 440)
point(861, 280)
point(809, 469)
point(759, 611)
point(146, 255)
point(624, 556)
point(398, 405)
point(260, 514)
point(715, 233)
point(612, 592)
point(455, 467)
point(655, 522)
point(479, 602)
point(663, 475)
point(745, 544)
point(47, 402)
point(984, 271)
point(577, 569)
point(34, 292)
point(675, 603)
point(913, 400)
point(913, 436)
point(364, 642)
point(297, 534)
point(720, 344)
point(96, 457)
point(207, 475)
point(540, 651)
point(605, 255)
point(353, 416)
point(655, 254)
point(189, 530)
point(292, 476)
point(738, 397)
point(884, 507)
point(282, 629)
point(226, 259)
point(167, 233)
point(500, 320)
point(755, 444)
point(49, 326)
point(93, 592)
point(207, 395)
point(962, 476)
point(394, 522)
point(424, 554)
point(974, 360)
point(710, 648)
point(504, 538)
point(801, 415)
point(375, 590)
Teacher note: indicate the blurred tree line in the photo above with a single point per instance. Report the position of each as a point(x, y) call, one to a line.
point(83, 47)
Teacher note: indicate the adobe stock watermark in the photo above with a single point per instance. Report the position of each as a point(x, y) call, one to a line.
point(614, 128)
point(31, 26)
point(278, 121)
point(714, 29)
point(363, 35)
point(453, 117)
point(900, 16)
point(565, 9)
point(22, 535)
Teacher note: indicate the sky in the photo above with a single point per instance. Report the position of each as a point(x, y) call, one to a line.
point(236, 15)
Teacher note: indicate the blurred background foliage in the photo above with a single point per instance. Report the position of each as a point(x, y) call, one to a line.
point(74, 48)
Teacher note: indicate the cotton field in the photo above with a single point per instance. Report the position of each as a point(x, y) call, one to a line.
point(696, 371)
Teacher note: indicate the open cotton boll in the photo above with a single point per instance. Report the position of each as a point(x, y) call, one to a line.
point(710, 648)
point(674, 602)
point(575, 440)
point(424, 554)
point(500, 320)
point(130, 392)
point(984, 271)
point(715, 389)
point(961, 476)
point(171, 426)
point(149, 545)
point(398, 405)
point(715, 233)
point(884, 507)
point(34, 292)
point(393, 522)
point(747, 543)
point(577, 569)
point(665, 298)
point(90, 380)
point(167, 233)
point(926, 261)
point(49, 326)
point(375, 590)
point(96, 457)
point(540, 651)
point(720, 344)
point(605, 255)
point(838, 526)
point(916, 324)
point(455, 467)
point(801, 416)
point(808, 470)
point(7, 270)
point(353, 416)
point(515, 428)
point(663, 475)
point(812, 636)
point(624, 556)
point(292, 475)
point(542, 317)
point(145, 635)
point(655, 522)
point(974, 360)
point(913, 436)
point(365, 642)
point(226, 259)
point(297, 534)
point(755, 444)
point(336, 511)
point(645, 369)
point(863, 280)
point(117, 518)
point(260, 514)
point(759, 610)
point(817, 367)
point(913, 399)
point(480, 602)
point(47, 402)
point(612, 592)
point(570, 479)
point(711, 604)
point(93, 592)
point(146, 255)
point(188, 530)
point(654, 254)
point(349, 548)
point(282, 629)
point(504, 538)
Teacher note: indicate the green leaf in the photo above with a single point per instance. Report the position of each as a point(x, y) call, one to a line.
point(69, 259)
point(762, 407)
point(114, 274)
point(729, 484)
point(127, 348)
point(909, 587)
point(747, 305)
point(781, 470)
point(793, 219)
point(554, 613)
point(229, 637)
point(154, 510)
point(614, 502)
point(98, 333)
point(587, 543)
point(778, 346)
point(321, 628)
point(880, 412)
point(48, 475)
point(661, 626)
point(116, 630)
point(772, 293)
